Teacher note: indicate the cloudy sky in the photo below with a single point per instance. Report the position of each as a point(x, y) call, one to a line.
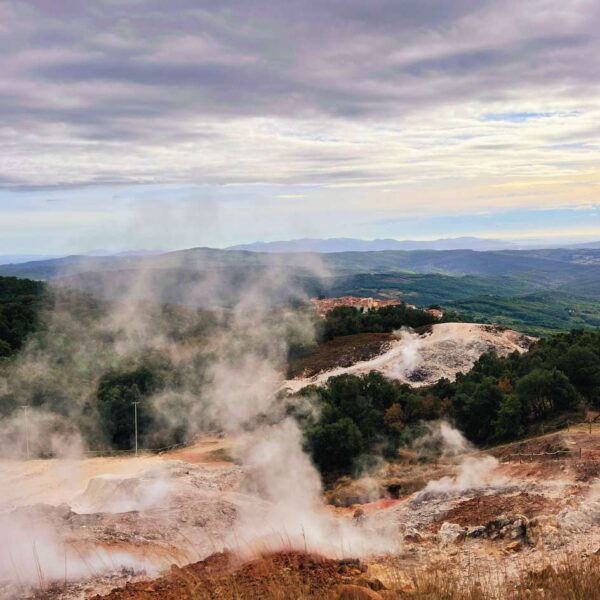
point(145, 123)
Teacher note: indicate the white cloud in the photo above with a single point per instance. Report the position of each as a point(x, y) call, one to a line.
point(377, 109)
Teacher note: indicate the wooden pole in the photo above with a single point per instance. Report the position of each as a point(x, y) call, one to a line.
point(136, 427)
point(25, 408)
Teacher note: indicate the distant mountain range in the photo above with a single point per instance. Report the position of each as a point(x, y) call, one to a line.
point(314, 245)
point(330, 245)
point(545, 266)
point(15, 259)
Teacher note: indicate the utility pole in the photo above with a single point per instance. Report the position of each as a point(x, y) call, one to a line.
point(136, 427)
point(26, 411)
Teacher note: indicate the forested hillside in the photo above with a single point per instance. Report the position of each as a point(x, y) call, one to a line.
point(20, 301)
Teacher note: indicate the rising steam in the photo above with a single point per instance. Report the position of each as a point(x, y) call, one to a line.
point(475, 471)
point(227, 378)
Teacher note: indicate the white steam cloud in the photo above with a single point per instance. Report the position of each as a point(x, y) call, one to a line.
point(475, 471)
point(294, 516)
point(31, 553)
point(410, 354)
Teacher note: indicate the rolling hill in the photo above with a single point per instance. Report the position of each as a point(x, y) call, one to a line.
point(537, 291)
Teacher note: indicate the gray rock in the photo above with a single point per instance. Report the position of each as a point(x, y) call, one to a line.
point(451, 533)
point(476, 531)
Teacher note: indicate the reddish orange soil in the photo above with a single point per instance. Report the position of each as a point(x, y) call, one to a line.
point(219, 577)
point(587, 470)
point(482, 509)
point(381, 504)
point(210, 451)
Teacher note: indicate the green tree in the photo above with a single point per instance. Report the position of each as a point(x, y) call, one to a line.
point(335, 446)
point(510, 419)
point(116, 394)
point(20, 303)
point(543, 391)
point(382, 392)
point(479, 410)
point(5, 349)
point(347, 320)
point(582, 366)
point(349, 396)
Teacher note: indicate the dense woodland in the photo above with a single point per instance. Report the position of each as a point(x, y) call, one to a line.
point(20, 301)
point(347, 320)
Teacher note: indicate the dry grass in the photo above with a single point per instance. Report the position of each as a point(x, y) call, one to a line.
point(572, 579)
point(342, 351)
point(293, 575)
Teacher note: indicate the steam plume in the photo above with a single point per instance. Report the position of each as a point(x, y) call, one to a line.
point(227, 377)
point(475, 471)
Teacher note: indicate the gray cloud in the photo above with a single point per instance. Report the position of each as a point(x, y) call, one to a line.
point(89, 79)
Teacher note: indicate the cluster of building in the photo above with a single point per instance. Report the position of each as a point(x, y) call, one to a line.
point(438, 313)
point(323, 305)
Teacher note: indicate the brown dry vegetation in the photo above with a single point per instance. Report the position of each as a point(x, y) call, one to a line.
point(481, 509)
point(340, 352)
point(397, 480)
point(570, 580)
point(552, 446)
point(280, 575)
point(294, 575)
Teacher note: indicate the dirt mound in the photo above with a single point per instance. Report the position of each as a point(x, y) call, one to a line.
point(221, 576)
point(483, 509)
point(118, 493)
